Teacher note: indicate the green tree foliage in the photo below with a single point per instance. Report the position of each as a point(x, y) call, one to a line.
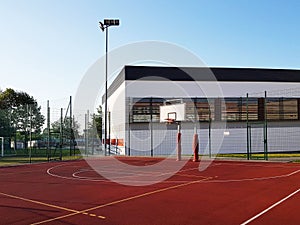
point(5, 128)
point(20, 114)
point(7, 99)
point(56, 126)
point(97, 117)
point(93, 131)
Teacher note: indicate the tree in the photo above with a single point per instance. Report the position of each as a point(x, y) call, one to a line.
point(93, 128)
point(7, 99)
point(5, 128)
point(22, 113)
point(67, 132)
point(55, 126)
point(98, 121)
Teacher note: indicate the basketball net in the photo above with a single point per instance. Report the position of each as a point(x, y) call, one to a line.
point(169, 121)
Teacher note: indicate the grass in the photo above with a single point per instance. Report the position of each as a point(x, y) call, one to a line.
point(37, 155)
point(40, 155)
point(291, 156)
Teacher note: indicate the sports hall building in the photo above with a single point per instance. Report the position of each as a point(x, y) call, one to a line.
point(222, 103)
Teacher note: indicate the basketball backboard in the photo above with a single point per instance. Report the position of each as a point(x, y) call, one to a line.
point(174, 111)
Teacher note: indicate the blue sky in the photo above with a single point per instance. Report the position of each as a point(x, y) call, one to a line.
point(46, 46)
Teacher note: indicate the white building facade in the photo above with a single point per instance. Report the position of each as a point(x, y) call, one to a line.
point(216, 104)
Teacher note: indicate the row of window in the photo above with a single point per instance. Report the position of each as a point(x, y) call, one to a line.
point(217, 109)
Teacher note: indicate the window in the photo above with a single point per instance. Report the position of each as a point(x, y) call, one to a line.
point(146, 108)
point(252, 109)
point(282, 109)
point(290, 109)
point(231, 110)
point(205, 109)
point(273, 112)
point(228, 109)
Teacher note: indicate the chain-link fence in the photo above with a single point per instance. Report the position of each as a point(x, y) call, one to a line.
point(37, 132)
point(277, 128)
point(262, 125)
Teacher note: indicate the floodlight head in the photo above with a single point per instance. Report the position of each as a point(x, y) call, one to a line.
point(111, 22)
point(106, 22)
point(101, 25)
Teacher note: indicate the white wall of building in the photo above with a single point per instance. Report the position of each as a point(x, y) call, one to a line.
point(116, 106)
point(140, 139)
point(171, 89)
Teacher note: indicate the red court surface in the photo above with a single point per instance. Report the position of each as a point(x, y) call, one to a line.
point(227, 192)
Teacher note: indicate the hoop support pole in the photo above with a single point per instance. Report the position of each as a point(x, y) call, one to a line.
point(178, 144)
point(195, 148)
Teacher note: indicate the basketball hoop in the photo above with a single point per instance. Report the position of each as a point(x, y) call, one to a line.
point(169, 121)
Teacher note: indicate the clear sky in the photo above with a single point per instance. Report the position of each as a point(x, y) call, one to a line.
point(46, 46)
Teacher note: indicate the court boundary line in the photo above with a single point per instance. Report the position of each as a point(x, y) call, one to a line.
point(75, 174)
point(38, 202)
point(206, 180)
point(104, 179)
point(188, 169)
point(124, 200)
point(256, 178)
point(263, 164)
point(45, 204)
point(271, 207)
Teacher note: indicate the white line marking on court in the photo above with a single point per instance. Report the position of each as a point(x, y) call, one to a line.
point(271, 207)
point(255, 164)
point(48, 205)
point(38, 202)
point(129, 174)
point(255, 178)
point(210, 181)
point(75, 177)
point(126, 200)
point(135, 175)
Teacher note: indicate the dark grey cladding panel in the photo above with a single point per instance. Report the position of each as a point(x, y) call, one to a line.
point(205, 74)
point(167, 73)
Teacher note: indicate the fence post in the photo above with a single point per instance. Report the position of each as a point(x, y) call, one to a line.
point(151, 126)
point(61, 133)
point(247, 126)
point(129, 133)
point(85, 134)
point(2, 146)
point(93, 133)
point(71, 137)
point(30, 134)
point(265, 129)
point(209, 133)
point(48, 129)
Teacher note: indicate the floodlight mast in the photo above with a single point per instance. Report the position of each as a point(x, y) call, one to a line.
point(104, 27)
